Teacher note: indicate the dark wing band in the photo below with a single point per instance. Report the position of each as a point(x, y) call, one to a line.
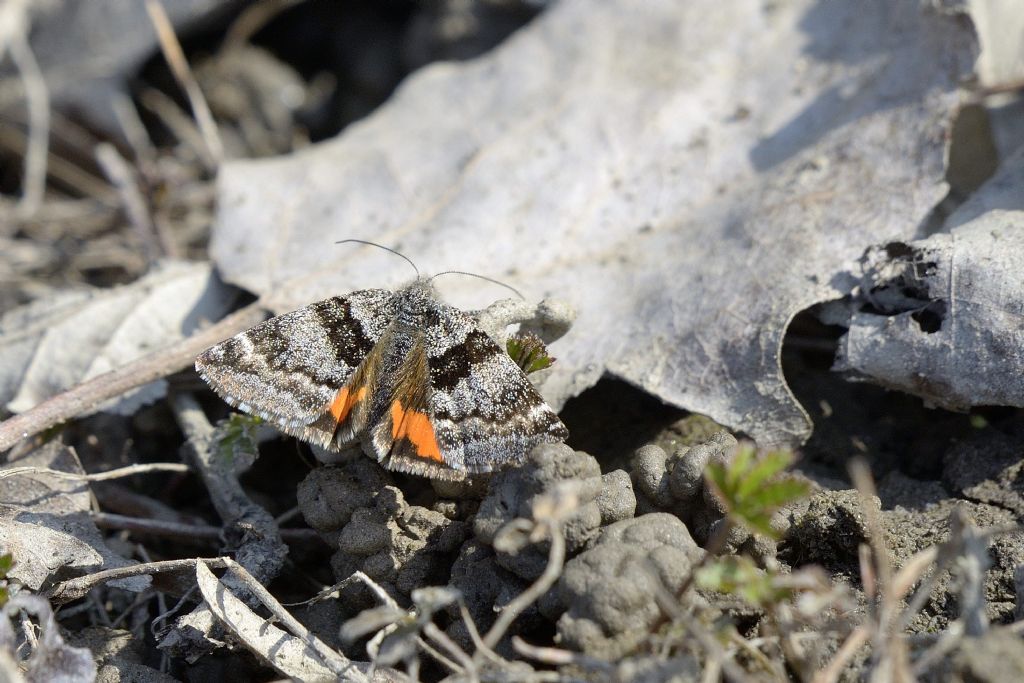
point(485, 412)
point(290, 369)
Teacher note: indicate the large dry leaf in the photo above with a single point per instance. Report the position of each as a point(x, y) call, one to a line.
point(943, 317)
point(689, 175)
point(53, 344)
point(45, 522)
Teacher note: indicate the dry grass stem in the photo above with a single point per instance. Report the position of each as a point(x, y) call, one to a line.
point(15, 26)
point(135, 207)
point(175, 57)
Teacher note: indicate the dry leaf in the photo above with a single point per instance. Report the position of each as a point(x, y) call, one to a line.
point(45, 523)
point(287, 654)
point(943, 317)
point(51, 345)
point(51, 659)
point(689, 175)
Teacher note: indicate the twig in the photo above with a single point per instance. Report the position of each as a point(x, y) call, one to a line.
point(87, 396)
point(251, 20)
point(465, 666)
point(140, 599)
point(158, 527)
point(376, 588)
point(474, 635)
point(716, 655)
point(122, 500)
point(440, 658)
point(558, 657)
point(123, 178)
point(68, 173)
point(73, 589)
point(174, 118)
point(972, 564)
point(37, 99)
point(118, 473)
point(288, 516)
point(134, 131)
point(853, 642)
point(175, 57)
point(890, 659)
point(948, 640)
point(553, 570)
point(257, 542)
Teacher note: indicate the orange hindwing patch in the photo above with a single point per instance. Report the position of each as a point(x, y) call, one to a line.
point(344, 401)
point(415, 426)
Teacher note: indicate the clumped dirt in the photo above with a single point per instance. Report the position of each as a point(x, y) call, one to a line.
point(636, 511)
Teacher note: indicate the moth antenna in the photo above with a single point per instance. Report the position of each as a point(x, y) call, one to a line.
point(381, 246)
point(482, 277)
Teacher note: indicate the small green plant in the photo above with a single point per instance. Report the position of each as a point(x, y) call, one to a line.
point(236, 440)
point(738, 575)
point(752, 489)
point(529, 352)
point(6, 564)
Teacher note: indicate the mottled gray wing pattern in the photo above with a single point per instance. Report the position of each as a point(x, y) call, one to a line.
point(484, 410)
point(289, 369)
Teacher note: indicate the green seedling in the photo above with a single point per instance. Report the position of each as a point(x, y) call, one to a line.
point(752, 489)
point(529, 352)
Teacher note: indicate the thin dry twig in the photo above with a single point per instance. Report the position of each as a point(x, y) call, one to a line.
point(134, 130)
point(14, 39)
point(175, 57)
point(441, 639)
point(251, 20)
point(251, 529)
point(120, 472)
point(948, 640)
point(123, 178)
point(853, 642)
point(73, 589)
point(337, 663)
point(890, 658)
point(557, 657)
point(551, 573)
point(716, 655)
point(87, 396)
point(205, 533)
point(77, 178)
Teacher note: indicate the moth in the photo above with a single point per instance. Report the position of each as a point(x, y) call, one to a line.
point(414, 380)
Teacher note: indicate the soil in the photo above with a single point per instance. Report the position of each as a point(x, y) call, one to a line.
point(640, 516)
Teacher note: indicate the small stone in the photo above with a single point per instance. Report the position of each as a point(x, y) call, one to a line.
point(328, 495)
point(687, 479)
point(616, 500)
point(649, 466)
point(608, 591)
point(365, 534)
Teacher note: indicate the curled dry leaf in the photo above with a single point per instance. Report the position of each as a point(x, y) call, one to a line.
point(287, 654)
point(689, 175)
point(942, 317)
point(53, 344)
point(51, 659)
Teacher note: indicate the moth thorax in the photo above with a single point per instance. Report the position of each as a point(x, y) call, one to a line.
point(415, 302)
